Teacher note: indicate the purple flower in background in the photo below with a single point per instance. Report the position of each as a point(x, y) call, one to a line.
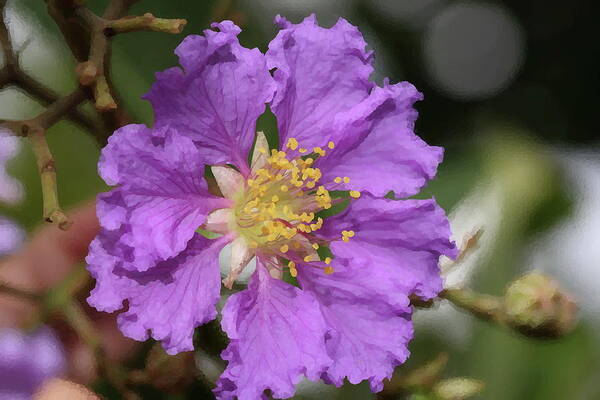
point(336, 262)
point(11, 236)
point(11, 191)
point(26, 361)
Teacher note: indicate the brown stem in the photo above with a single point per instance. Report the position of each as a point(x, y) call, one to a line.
point(146, 22)
point(35, 130)
point(22, 294)
point(77, 32)
point(13, 74)
point(483, 306)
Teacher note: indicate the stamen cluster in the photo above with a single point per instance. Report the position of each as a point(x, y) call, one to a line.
point(276, 212)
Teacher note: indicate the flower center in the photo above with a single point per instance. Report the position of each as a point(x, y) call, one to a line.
point(276, 211)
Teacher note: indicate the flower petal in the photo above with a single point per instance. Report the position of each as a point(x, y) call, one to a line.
point(376, 147)
point(27, 360)
point(230, 181)
point(169, 301)
point(368, 337)
point(276, 336)
point(218, 95)
point(401, 239)
point(320, 72)
point(365, 302)
point(164, 196)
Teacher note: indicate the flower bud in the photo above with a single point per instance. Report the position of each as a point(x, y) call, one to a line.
point(457, 388)
point(536, 305)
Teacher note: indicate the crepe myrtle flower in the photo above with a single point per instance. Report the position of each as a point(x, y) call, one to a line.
point(27, 361)
point(336, 261)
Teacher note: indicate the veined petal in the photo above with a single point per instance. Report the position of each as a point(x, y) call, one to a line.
point(167, 302)
point(368, 337)
point(163, 194)
point(320, 72)
point(276, 336)
point(402, 239)
point(377, 148)
point(218, 95)
point(393, 254)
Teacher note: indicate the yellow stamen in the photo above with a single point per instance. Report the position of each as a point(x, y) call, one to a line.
point(354, 194)
point(284, 248)
point(331, 145)
point(329, 270)
point(292, 143)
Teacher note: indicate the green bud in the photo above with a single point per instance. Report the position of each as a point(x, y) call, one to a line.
point(536, 305)
point(457, 388)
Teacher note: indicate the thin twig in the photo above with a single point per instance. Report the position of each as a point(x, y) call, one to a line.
point(20, 293)
point(35, 129)
point(13, 74)
point(483, 306)
point(146, 22)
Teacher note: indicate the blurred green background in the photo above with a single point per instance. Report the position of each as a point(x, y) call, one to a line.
point(510, 91)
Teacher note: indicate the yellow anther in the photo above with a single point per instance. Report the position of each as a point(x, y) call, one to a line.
point(293, 272)
point(292, 264)
point(292, 143)
point(331, 145)
point(284, 188)
point(308, 258)
point(275, 199)
point(329, 270)
point(345, 239)
point(309, 161)
point(354, 194)
point(310, 184)
point(327, 260)
point(346, 179)
point(284, 248)
point(338, 179)
point(315, 246)
point(302, 150)
point(319, 151)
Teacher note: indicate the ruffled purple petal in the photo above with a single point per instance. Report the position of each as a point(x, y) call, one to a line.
point(218, 95)
point(320, 72)
point(163, 194)
point(376, 147)
point(166, 302)
point(365, 302)
point(403, 239)
point(26, 361)
point(276, 336)
point(368, 337)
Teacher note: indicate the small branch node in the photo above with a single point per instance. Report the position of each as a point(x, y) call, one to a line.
point(87, 73)
point(146, 22)
point(104, 100)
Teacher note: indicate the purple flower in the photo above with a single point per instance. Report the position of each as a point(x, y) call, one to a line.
point(26, 361)
point(11, 236)
point(11, 191)
point(330, 295)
